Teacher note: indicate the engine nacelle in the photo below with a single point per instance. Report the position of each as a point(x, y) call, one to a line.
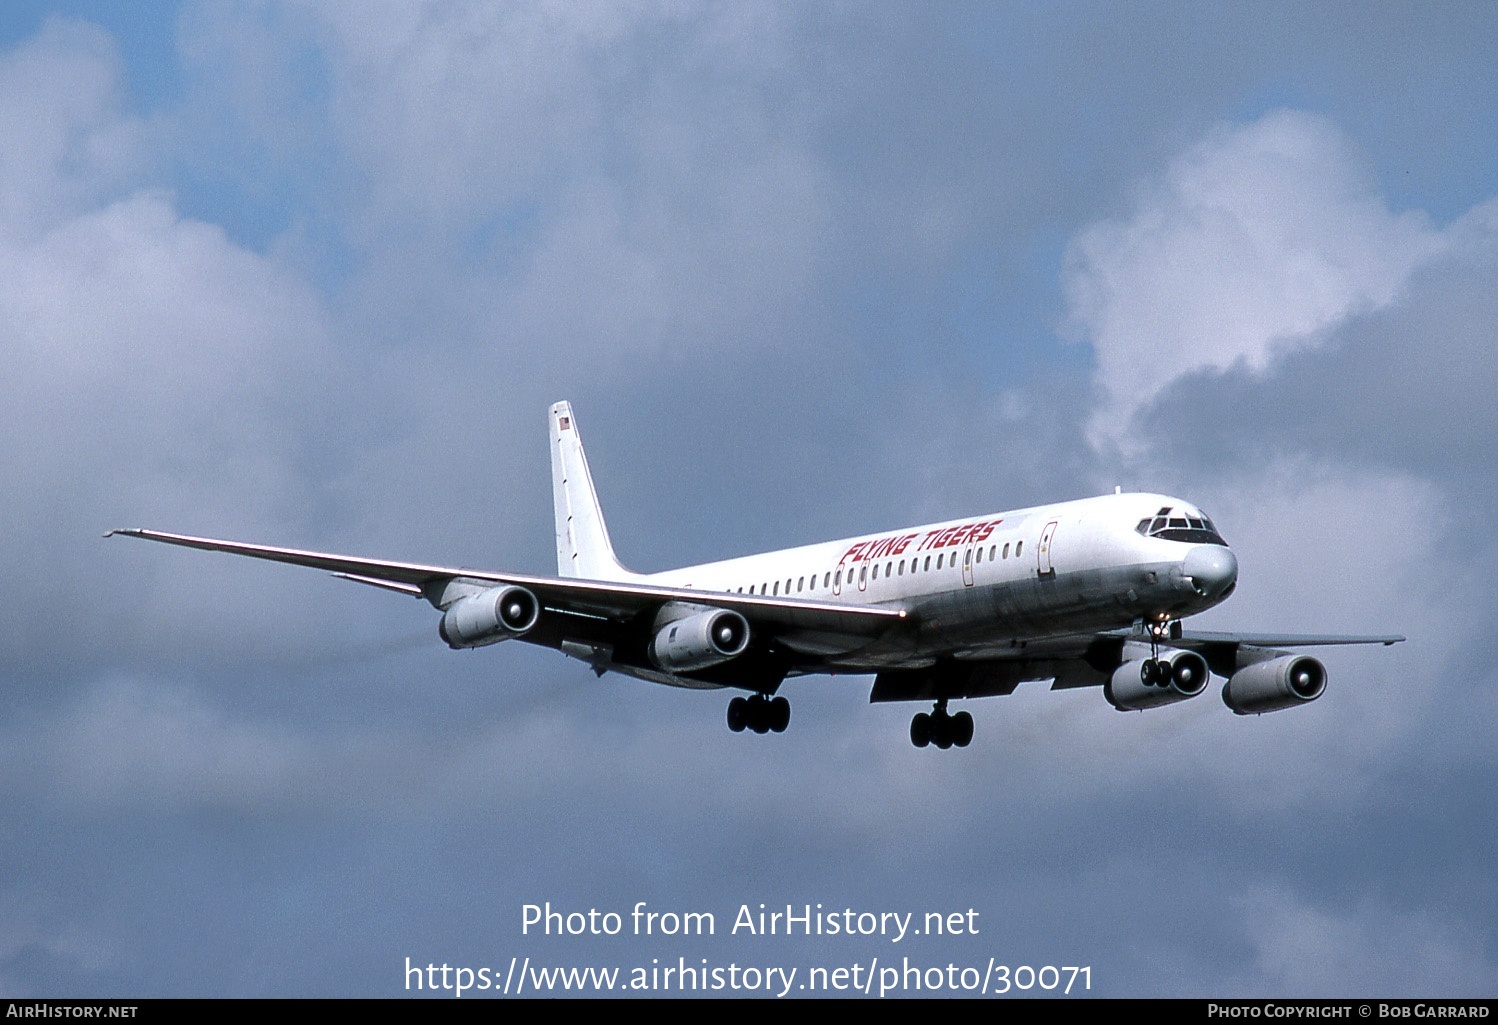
point(1186, 676)
point(489, 617)
point(699, 641)
point(1282, 682)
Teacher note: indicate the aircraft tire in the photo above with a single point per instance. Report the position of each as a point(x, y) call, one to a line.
point(759, 715)
point(941, 731)
point(920, 729)
point(737, 715)
point(780, 714)
point(962, 729)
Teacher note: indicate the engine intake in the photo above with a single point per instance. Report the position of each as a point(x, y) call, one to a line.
point(699, 641)
point(1282, 682)
point(1185, 676)
point(489, 617)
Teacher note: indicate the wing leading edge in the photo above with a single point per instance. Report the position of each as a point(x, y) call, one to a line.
point(593, 598)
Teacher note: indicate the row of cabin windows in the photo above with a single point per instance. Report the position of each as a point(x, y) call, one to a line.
point(891, 568)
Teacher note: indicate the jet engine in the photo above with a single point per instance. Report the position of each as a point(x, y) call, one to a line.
point(1278, 683)
point(1174, 676)
point(699, 641)
point(489, 617)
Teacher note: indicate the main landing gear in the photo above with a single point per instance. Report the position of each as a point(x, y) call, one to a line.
point(759, 713)
point(939, 728)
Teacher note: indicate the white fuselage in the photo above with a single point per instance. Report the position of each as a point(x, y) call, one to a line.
point(984, 583)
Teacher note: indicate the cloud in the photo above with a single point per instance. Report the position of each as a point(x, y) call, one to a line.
point(1251, 245)
point(1362, 947)
point(730, 234)
point(68, 141)
point(1404, 387)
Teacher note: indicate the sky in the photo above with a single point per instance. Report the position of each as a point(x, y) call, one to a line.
point(310, 274)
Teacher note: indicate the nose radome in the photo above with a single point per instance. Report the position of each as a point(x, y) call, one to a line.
point(1212, 569)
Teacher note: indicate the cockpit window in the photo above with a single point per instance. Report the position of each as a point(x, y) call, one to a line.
point(1180, 525)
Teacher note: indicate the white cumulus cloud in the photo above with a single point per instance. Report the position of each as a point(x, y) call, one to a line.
point(1250, 244)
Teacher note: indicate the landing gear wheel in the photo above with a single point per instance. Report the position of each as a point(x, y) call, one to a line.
point(938, 728)
point(759, 714)
point(962, 729)
point(1154, 673)
point(941, 731)
point(781, 707)
point(738, 714)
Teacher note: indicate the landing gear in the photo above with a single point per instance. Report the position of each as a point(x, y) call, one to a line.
point(939, 728)
point(759, 713)
point(1152, 671)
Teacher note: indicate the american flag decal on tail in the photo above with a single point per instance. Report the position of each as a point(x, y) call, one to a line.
point(564, 422)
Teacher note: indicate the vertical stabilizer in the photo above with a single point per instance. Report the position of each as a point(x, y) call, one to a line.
point(583, 546)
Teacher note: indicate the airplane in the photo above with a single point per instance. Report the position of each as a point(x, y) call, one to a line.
point(1082, 593)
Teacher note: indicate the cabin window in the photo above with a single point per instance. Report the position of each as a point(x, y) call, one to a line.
point(827, 580)
point(787, 585)
point(980, 555)
point(887, 567)
point(939, 559)
point(777, 588)
point(839, 578)
point(1018, 547)
point(901, 570)
point(991, 550)
point(928, 563)
point(1006, 549)
point(876, 571)
point(863, 574)
point(801, 584)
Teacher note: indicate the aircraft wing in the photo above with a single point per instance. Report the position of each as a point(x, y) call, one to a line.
point(1203, 638)
point(597, 599)
point(1087, 660)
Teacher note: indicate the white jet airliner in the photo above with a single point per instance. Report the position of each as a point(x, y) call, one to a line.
point(1083, 593)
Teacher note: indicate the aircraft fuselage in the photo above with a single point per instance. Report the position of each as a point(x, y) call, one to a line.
point(981, 586)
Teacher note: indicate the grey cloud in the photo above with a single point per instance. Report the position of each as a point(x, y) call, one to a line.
point(69, 141)
point(1404, 387)
point(739, 247)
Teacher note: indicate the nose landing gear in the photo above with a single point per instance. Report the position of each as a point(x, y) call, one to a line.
point(939, 728)
point(1152, 671)
point(759, 713)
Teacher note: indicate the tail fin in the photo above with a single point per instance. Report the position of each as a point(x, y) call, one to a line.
point(583, 546)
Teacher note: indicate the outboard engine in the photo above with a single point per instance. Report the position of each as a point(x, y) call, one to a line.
point(489, 617)
point(1282, 682)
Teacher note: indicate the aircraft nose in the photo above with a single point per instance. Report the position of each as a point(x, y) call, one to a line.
point(1213, 569)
